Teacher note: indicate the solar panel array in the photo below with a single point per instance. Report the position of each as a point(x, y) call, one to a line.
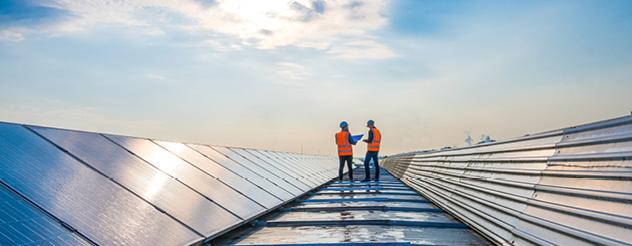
point(71, 187)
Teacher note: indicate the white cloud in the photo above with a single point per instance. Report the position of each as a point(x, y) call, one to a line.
point(292, 71)
point(270, 24)
point(11, 35)
point(361, 50)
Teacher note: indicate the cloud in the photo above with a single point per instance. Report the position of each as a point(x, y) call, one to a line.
point(362, 50)
point(271, 24)
point(11, 35)
point(292, 71)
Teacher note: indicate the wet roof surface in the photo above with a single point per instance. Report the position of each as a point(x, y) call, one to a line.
point(357, 213)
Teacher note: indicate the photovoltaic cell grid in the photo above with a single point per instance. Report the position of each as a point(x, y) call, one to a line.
point(71, 187)
point(21, 223)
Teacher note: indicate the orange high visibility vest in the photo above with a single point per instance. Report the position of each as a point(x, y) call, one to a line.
point(377, 138)
point(344, 146)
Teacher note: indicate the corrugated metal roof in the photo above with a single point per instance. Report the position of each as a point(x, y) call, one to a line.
point(357, 213)
point(571, 186)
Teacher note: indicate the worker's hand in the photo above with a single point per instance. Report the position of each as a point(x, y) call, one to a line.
point(364, 140)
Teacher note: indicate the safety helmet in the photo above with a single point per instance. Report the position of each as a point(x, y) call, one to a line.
point(370, 122)
point(344, 124)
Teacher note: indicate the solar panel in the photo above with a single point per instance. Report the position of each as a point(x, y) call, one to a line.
point(228, 198)
point(309, 171)
point(303, 172)
point(303, 166)
point(317, 166)
point(249, 175)
point(273, 177)
point(86, 200)
point(198, 208)
point(325, 167)
point(22, 223)
point(141, 178)
point(307, 183)
point(309, 168)
point(228, 176)
point(276, 169)
point(321, 168)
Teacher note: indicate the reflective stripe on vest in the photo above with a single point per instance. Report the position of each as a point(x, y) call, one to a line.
point(344, 146)
point(377, 138)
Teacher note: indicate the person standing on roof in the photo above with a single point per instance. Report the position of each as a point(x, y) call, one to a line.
point(372, 150)
point(345, 151)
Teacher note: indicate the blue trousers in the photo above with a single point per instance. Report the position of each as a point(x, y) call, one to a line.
point(367, 174)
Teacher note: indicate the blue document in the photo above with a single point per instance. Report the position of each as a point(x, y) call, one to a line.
point(357, 138)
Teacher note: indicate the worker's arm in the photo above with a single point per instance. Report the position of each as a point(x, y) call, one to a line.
point(351, 139)
point(370, 139)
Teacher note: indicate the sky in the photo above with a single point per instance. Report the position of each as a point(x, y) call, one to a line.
point(282, 74)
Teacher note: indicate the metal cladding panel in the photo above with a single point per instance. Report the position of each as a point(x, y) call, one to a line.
point(269, 175)
point(565, 187)
point(21, 223)
point(95, 206)
point(194, 208)
point(244, 203)
point(267, 186)
point(142, 179)
point(276, 169)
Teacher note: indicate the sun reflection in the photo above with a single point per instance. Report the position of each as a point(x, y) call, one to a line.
point(176, 148)
point(157, 182)
point(164, 161)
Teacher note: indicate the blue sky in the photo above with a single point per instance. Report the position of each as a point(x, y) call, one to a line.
point(282, 74)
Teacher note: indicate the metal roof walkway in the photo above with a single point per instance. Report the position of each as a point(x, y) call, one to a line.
point(356, 213)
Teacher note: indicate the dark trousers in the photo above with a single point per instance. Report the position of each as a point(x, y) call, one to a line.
point(349, 160)
point(367, 174)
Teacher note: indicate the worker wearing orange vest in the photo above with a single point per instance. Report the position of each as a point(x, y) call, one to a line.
point(372, 150)
point(345, 151)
